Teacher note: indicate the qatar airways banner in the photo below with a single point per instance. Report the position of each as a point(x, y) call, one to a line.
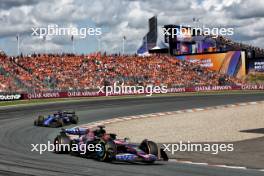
point(202, 89)
point(252, 87)
point(43, 95)
point(72, 94)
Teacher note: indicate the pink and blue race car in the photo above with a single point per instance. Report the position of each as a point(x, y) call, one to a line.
point(96, 143)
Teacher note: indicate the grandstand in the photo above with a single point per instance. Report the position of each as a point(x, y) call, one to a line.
point(252, 51)
point(51, 72)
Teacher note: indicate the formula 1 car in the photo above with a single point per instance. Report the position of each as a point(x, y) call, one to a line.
point(106, 147)
point(58, 119)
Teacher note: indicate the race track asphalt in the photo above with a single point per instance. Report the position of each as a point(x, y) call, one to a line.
point(17, 133)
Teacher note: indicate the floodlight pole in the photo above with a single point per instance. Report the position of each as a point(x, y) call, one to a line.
point(146, 43)
point(73, 48)
point(99, 44)
point(124, 45)
point(18, 47)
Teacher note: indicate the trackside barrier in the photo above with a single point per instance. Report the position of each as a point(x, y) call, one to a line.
point(70, 94)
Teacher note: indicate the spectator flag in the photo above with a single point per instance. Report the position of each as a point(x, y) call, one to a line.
point(143, 49)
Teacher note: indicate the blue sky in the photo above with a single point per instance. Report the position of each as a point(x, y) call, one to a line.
point(118, 18)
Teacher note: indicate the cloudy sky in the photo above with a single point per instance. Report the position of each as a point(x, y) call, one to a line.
point(118, 18)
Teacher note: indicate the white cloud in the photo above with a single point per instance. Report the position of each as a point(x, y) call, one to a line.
point(129, 18)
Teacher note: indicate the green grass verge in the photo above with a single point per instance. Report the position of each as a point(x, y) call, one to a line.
point(77, 99)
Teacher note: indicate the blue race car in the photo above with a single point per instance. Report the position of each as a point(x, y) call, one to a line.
point(58, 119)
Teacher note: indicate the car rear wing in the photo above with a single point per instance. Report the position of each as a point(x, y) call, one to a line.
point(69, 112)
point(74, 131)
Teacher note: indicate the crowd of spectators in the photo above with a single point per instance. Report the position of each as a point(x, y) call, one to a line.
point(15, 77)
point(7, 83)
point(49, 72)
point(232, 45)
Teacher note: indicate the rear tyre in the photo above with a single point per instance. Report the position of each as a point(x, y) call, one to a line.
point(54, 124)
point(60, 122)
point(40, 118)
point(74, 148)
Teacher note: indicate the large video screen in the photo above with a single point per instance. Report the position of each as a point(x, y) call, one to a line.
point(184, 34)
point(255, 65)
point(231, 63)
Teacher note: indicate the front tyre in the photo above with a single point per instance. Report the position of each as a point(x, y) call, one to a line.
point(75, 119)
point(108, 151)
point(39, 121)
point(149, 147)
point(61, 144)
point(36, 123)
